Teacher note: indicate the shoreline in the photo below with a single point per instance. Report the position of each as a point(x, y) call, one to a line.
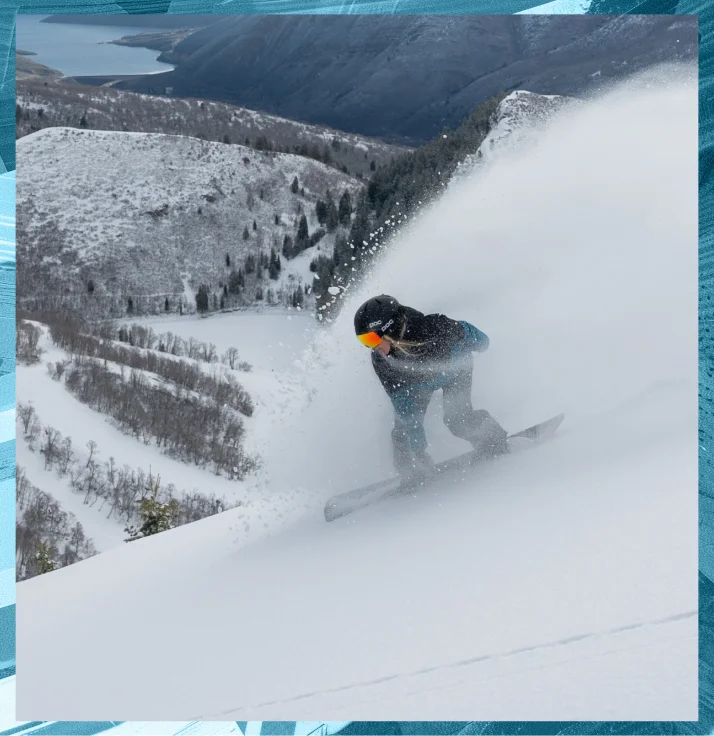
point(109, 80)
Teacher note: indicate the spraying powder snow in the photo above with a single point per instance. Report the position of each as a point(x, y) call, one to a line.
point(576, 253)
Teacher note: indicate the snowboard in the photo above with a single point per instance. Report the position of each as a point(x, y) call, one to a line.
point(451, 470)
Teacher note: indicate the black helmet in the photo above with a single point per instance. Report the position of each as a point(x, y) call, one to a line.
point(379, 314)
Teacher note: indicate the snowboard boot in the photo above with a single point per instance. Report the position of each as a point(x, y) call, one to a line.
point(492, 439)
point(419, 468)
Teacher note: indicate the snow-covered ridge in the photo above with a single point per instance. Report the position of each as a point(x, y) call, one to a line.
point(172, 208)
point(106, 108)
point(513, 122)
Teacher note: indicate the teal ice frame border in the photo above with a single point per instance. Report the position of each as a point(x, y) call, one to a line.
point(705, 11)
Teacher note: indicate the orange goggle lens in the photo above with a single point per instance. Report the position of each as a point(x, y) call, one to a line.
point(370, 339)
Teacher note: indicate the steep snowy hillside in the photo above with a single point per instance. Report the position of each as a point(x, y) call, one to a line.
point(556, 584)
point(517, 118)
point(117, 217)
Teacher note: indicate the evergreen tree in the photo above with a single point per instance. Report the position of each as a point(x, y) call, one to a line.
point(228, 261)
point(321, 212)
point(166, 305)
point(250, 264)
point(345, 209)
point(332, 220)
point(234, 282)
point(274, 267)
point(359, 232)
point(302, 231)
point(155, 516)
point(255, 225)
point(294, 186)
point(288, 250)
point(277, 219)
point(298, 297)
point(302, 237)
point(202, 298)
point(246, 234)
point(341, 254)
point(43, 561)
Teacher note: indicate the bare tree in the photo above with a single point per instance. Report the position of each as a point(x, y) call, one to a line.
point(230, 357)
point(49, 448)
point(26, 412)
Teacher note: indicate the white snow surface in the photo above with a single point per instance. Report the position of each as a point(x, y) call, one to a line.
point(556, 584)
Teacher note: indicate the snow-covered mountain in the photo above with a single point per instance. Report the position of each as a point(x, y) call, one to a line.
point(64, 103)
point(116, 216)
point(517, 118)
point(557, 584)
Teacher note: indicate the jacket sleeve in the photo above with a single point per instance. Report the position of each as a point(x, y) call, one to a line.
point(474, 340)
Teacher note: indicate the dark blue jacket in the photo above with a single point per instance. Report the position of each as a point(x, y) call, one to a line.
point(442, 347)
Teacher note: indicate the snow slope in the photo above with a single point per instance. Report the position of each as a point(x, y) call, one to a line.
point(270, 341)
point(173, 207)
point(558, 584)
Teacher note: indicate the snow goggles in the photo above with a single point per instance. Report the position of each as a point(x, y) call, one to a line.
point(370, 339)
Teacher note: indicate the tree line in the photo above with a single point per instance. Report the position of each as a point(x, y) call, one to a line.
point(395, 193)
point(185, 376)
point(204, 429)
point(41, 105)
point(182, 425)
point(46, 536)
point(49, 538)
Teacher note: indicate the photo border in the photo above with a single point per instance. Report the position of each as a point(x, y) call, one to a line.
point(705, 12)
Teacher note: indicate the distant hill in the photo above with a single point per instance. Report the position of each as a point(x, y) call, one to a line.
point(338, 70)
point(64, 103)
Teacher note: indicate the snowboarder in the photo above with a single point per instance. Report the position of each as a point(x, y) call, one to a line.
point(414, 355)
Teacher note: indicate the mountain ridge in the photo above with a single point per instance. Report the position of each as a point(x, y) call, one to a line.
point(337, 70)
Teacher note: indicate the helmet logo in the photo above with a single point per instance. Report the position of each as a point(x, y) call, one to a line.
point(388, 325)
point(375, 324)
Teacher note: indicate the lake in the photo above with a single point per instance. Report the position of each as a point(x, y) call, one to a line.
point(78, 50)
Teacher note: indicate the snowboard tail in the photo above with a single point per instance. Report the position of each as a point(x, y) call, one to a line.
point(453, 469)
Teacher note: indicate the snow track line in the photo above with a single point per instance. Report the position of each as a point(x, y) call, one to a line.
point(462, 663)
